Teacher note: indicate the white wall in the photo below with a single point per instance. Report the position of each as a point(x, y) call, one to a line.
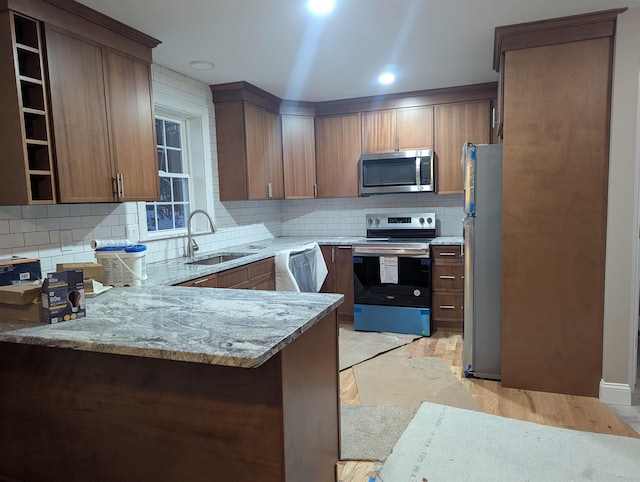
point(621, 283)
point(34, 231)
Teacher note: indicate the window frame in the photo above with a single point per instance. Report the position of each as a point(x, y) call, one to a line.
point(197, 145)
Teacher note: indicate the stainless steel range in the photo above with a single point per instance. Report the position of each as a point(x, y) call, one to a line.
point(392, 274)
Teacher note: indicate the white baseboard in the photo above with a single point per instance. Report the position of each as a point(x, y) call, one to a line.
point(615, 393)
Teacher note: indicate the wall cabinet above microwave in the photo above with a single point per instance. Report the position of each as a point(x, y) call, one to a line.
point(78, 122)
point(397, 129)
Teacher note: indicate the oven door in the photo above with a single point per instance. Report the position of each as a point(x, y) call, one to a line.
point(378, 283)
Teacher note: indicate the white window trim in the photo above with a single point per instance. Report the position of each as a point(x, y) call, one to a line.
point(197, 135)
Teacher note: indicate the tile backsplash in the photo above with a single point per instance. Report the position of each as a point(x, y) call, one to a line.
point(35, 231)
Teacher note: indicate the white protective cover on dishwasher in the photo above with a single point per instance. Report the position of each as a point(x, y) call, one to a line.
point(285, 279)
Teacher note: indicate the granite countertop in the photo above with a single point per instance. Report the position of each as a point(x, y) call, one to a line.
point(458, 240)
point(238, 328)
point(175, 271)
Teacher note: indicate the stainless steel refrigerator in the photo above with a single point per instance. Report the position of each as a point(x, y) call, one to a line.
point(482, 259)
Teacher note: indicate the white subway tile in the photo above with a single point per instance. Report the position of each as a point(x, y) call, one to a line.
point(58, 210)
point(70, 223)
point(33, 212)
point(8, 241)
point(4, 226)
point(80, 209)
point(36, 239)
point(10, 212)
point(22, 225)
point(48, 224)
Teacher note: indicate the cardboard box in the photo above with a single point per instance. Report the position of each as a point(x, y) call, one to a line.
point(15, 270)
point(63, 296)
point(30, 312)
point(91, 270)
point(22, 294)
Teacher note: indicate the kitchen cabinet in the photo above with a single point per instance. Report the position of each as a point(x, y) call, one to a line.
point(557, 90)
point(298, 156)
point(455, 124)
point(249, 142)
point(397, 129)
point(338, 146)
point(448, 285)
point(258, 275)
point(79, 115)
point(340, 278)
point(209, 281)
point(103, 122)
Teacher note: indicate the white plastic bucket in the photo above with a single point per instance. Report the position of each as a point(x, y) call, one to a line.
point(123, 265)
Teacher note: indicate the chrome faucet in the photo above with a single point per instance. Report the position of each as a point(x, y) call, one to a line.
point(192, 246)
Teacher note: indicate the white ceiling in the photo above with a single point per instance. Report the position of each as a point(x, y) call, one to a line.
point(278, 46)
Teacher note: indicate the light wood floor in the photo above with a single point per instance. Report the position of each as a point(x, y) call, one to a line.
point(566, 411)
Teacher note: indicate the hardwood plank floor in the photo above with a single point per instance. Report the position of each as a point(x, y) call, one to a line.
point(566, 411)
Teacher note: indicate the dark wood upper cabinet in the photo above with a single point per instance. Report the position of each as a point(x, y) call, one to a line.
point(298, 156)
point(397, 129)
point(84, 109)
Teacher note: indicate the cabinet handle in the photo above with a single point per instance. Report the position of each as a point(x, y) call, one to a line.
point(396, 143)
point(344, 247)
point(447, 277)
point(447, 307)
point(269, 190)
point(493, 118)
point(200, 281)
point(333, 255)
point(315, 190)
point(447, 254)
point(119, 185)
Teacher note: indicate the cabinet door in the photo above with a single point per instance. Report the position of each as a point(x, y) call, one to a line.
point(414, 126)
point(344, 282)
point(209, 281)
point(273, 155)
point(329, 255)
point(79, 114)
point(132, 127)
point(298, 156)
point(338, 145)
point(379, 131)
point(254, 125)
point(456, 124)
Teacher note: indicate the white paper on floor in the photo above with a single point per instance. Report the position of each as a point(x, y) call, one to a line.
point(445, 443)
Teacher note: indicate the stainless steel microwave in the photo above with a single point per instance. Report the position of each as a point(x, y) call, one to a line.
point(396, 172)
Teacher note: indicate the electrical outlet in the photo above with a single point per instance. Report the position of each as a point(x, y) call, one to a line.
point(66, 240)
point(132, 233)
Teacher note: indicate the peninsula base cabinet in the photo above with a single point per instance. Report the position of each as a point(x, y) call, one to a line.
point(75, 415)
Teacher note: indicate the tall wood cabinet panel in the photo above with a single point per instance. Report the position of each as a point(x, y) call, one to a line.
point(337, 153)
point(298, 156)
point(397, 129)
point(340, 278)
point(454, 125)
point(249, 141)
point(556, 144)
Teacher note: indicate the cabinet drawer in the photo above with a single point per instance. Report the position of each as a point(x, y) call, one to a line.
point(446, 253)
point(447, 306)
point(447, 277)
point(204, 282)
point(234, 278)
point(261, 268)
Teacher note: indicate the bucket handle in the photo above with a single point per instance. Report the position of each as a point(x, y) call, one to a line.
point(126, 266)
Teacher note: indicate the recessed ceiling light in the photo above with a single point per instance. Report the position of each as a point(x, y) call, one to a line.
point(321, 7)
point(386, 78)
point(201, 65)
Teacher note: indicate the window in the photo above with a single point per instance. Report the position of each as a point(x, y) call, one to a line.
point(172, 210)
point(185, 168)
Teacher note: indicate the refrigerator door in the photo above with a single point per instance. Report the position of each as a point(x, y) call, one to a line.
point(469, 158)
point(468, 340)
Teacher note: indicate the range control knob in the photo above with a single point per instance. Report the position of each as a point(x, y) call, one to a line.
point(377, 220)
point(421, 220)
point(429, 220)
point(370, 220)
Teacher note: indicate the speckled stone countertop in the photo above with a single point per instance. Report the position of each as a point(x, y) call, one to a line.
point(237, 328)
point(175, 271)
point(458, 240)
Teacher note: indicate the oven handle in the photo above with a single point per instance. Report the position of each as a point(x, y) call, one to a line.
point(391, 251)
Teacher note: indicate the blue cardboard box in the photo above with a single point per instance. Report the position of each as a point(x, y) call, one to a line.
point(15, 270)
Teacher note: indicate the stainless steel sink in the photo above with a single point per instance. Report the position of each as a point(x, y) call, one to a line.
point(219, 258)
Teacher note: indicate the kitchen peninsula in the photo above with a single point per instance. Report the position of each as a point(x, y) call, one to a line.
point(175, 383)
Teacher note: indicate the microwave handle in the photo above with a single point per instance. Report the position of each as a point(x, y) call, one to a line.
point(418, 169)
